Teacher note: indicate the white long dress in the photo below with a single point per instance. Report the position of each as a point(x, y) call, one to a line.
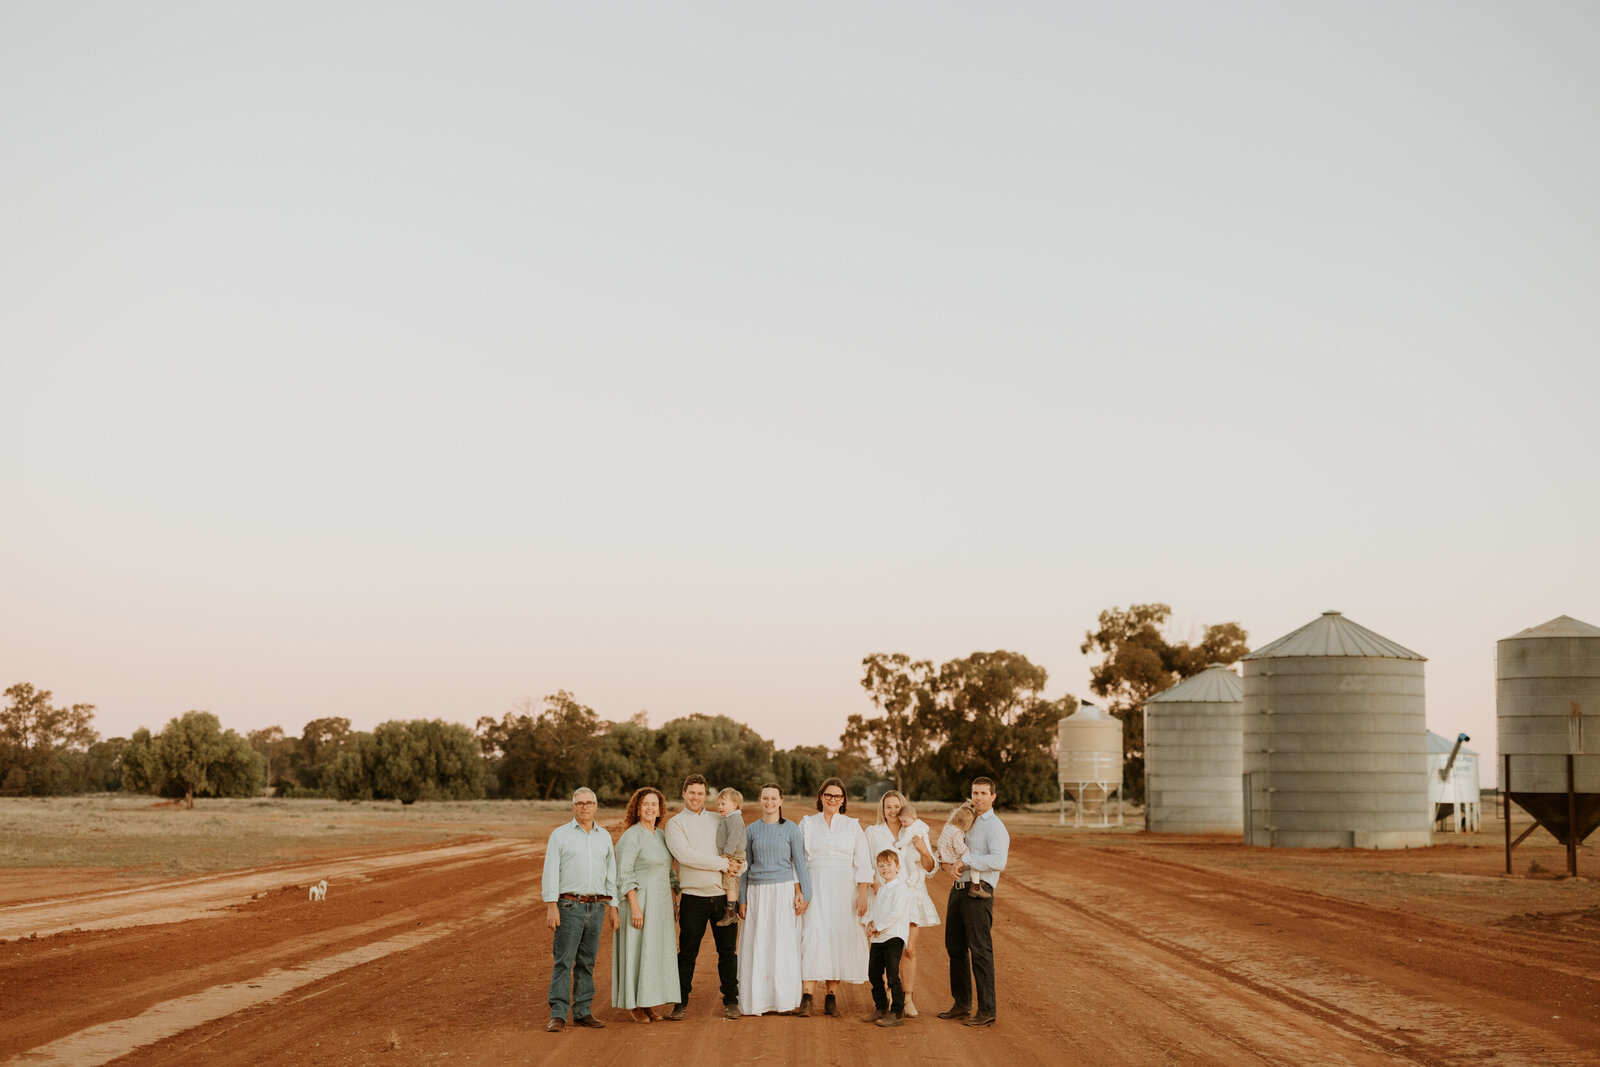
point(923, 913)
point(833, 943)
point(769, 937)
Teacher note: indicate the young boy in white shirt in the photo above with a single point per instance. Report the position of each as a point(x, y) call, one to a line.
point(888, 926)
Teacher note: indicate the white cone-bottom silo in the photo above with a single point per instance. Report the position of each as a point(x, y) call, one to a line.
point(1089, 761)
point(1547, 708)
point(1453, 783)
point(1193, 737)
point(1335, 741)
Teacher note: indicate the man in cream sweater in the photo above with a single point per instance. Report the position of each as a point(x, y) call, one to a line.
point(692, 840)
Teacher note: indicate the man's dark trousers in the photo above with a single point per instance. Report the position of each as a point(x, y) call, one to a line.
point(576, 943)
point(884, 960)
point(694, 914)
point(967, 926)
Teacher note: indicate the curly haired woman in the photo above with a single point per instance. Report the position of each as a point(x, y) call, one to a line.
point(644, 966)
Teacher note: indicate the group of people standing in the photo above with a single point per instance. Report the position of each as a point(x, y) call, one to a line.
point(791, 906)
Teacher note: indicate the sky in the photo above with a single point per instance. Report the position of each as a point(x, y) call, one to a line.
point(396, 360)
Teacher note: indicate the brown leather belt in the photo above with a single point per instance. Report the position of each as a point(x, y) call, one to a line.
point(582, 899)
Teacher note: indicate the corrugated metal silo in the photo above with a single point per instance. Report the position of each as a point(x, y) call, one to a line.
point(1089, 758)
point(1547, 702)
point(1335, 740)
point(1193, 738)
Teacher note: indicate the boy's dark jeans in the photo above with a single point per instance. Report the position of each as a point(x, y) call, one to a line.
point(884, 959)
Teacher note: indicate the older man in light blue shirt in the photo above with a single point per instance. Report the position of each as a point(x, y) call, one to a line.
point(580, 895)
point(969, 920)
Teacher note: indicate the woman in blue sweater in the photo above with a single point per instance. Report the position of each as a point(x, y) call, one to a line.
point(774, 891)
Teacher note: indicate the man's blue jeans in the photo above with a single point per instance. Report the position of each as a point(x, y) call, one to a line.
point(577, 942)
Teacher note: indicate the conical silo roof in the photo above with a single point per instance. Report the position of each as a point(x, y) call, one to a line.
point(1560, 626)
point(1214, 685)
point(1088, 712)
point(1334, 635)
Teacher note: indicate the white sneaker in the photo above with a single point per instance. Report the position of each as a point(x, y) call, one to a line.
point(910, 1011)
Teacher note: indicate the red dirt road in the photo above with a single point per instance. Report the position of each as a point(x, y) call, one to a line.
point(1131, 949)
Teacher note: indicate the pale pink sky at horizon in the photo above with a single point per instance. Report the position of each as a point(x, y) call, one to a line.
point(395, 361)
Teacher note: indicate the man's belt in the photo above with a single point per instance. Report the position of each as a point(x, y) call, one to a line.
point(582, 898)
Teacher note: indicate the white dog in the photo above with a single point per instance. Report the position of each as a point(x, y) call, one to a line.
point(320, 890)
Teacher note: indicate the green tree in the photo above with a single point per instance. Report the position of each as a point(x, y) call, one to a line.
point(1139, 659)
point(994, 721)
point(424, 759)
point(802, 769)
point(624, 760)
point(539, 755)
point(350, 775)
point(727, 752)
point(277, 751)
point(905, 692)
point(103, 772)
point(193, 756)
point(321, 741)
point(42, 746)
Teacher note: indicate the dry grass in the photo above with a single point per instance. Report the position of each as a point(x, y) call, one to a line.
point(143, 833)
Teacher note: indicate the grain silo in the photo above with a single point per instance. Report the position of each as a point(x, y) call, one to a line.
point(1547, 704)
point(1453, 783)
point(1089, 761)
point(1335, 741)
point(1193, 737)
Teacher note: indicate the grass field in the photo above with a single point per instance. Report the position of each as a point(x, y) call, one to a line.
point(149, 836)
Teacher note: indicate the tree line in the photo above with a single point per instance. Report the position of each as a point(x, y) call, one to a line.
point(932, 730)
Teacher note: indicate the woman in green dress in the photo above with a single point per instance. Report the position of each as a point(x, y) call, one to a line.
point(644, 967)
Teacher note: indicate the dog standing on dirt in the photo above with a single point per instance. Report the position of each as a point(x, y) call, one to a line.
point(320, 890)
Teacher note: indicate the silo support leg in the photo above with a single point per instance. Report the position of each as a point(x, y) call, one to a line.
point(1572, 822)
point(1506, 778)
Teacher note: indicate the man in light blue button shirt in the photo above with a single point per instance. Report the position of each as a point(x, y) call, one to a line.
point(969, 920)
point(580, 896)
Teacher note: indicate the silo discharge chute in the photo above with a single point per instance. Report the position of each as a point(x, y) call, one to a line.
point(1453, 783)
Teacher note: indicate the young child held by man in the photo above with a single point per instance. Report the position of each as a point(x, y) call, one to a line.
point(952, 847)
point(730, 843)
point(888, 922)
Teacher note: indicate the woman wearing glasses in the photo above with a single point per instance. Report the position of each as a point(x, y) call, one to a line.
point(833, 943)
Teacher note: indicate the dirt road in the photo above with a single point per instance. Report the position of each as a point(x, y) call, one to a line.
point(1134, 950)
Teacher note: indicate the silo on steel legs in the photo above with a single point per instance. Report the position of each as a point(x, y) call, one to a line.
point(1335, 741)
point(1547, 702)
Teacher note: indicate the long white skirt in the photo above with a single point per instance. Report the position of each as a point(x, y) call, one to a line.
point(833, 942)
point(769, 950)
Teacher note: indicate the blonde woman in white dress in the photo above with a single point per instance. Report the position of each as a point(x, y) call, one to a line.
point(899, 828)
point(833, 942)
